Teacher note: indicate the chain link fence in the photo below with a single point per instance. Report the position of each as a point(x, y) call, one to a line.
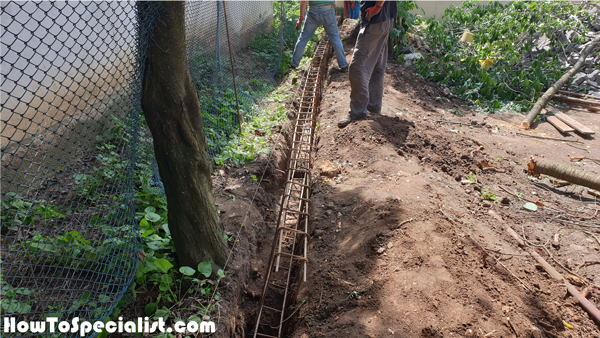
point(74, 144)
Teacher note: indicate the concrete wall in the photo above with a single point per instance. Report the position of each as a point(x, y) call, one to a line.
point(59, 59)
point(436, 8)
point(432, 8)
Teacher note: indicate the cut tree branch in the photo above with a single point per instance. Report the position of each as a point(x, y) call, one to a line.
point(564, 172)
point(543, 100)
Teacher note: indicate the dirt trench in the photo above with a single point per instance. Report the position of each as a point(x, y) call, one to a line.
point(404, 245)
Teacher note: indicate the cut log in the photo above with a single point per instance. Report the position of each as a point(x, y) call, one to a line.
point(543, 100)
point(571, 122)
point(558, 124)
point(564, 172)
point(581, 96)
point(577, 102)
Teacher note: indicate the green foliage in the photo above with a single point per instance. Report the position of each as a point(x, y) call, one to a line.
point(406, 22)
point(245, 147)
point(17, 211)
point(10, 301)
point(472, 177)
point(158, 267)
point(267, 47)
point(486, 194)
point(503, 63)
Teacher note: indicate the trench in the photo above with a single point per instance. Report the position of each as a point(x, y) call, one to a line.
point(288, 259)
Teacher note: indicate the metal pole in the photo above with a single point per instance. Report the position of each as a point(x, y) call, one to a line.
point(240, 120)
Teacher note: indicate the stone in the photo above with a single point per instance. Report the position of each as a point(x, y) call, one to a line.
point(505, 200)
point(447, 91)
point(589, 61)
point(486, 204)
point(329, 170)
point(406, 50)
point(412, 56)
point(572, 35)
point(594, 75)
point(381, 250)
point(596, 24)
point(579, 79)
point(543, 44)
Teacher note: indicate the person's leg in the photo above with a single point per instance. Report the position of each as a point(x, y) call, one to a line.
point(377, 76)
point(366, 55)
point(330, 27)
point(310, 25)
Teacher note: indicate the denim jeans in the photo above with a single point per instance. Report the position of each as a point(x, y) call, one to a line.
point(320, 17)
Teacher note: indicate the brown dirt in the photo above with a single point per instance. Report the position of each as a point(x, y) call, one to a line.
point(439, 275)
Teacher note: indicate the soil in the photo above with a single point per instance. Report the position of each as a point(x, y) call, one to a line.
point(404, 245)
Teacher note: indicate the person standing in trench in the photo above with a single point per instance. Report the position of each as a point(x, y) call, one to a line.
point(367, 68)
point(320, 13)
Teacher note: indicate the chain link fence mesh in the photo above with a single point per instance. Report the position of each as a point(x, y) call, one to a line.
point(74, 144)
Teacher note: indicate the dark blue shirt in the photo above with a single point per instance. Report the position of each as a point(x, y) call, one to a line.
point(388, 11)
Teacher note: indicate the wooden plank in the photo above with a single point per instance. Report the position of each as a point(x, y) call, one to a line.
point(558, 124)
point(578, 126)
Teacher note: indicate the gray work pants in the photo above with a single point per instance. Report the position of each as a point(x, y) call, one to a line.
point(367, 68)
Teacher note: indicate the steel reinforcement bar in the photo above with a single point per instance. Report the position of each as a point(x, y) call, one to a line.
point(290, 243)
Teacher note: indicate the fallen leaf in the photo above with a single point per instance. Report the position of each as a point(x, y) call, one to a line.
point(575, 280)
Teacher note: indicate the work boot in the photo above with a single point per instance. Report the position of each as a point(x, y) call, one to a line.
point(374, 112)
point(346, 120)
point(344, 69)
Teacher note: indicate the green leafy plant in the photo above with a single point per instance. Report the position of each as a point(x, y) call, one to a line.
point(518, 50)
point(403, 24)
point(10, 302)
point(472, 177)
point(486, 194)
point(15, 210)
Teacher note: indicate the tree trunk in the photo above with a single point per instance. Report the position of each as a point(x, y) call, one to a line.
point(564, 172)
point(170, 104)
point(543, 100)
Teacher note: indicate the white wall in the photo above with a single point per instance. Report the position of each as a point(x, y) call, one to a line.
point(65, 66)
point(60, 58)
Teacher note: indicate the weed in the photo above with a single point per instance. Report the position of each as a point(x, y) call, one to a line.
point(486, 194)
point(472, 177)
point(17, 211)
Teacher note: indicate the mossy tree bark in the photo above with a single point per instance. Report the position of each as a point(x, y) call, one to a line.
point(170, 104)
